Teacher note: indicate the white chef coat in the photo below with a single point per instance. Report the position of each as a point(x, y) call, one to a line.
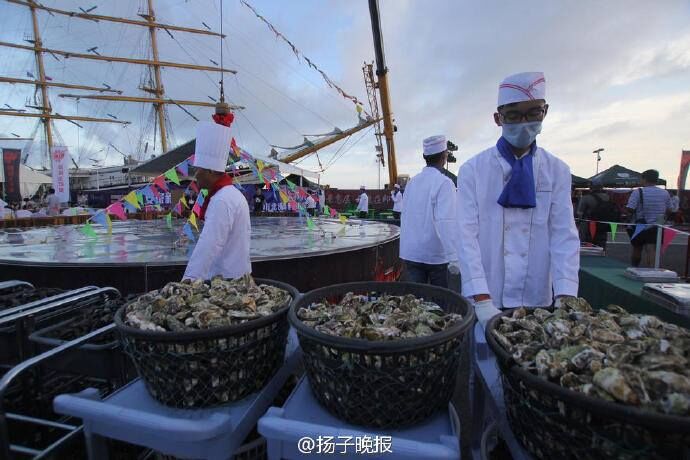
point(428, 226)
point(311, 203)
point(53, 205)
point(397, 200)
point(223, 246)
point(516, 255)
point(363, 202)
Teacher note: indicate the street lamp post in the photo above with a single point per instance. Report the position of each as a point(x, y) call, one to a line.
point(598, 152)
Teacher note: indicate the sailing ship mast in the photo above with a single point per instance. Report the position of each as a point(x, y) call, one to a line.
point(159, 100)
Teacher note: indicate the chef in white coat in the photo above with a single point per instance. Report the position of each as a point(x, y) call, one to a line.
point(223, 246)
point(363, 203)
point(397, 197)
point(428, 225)
point(518, 244)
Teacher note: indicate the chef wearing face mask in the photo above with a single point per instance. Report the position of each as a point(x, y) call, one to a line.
point(518, 244)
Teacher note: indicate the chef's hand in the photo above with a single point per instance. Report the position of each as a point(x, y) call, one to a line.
point(485, 310)
point(453, 267)
point(560, 300)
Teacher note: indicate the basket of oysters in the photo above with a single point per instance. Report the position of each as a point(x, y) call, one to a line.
point(199, 343)
point(586, 383)
point(382, 354)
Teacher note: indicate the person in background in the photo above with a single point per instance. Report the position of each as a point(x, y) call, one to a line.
point(53, 203)
point(674, 216)
point(322, 200)
point(23, 213)
point(310, 204)
point(397, 197)
point(517, 243)
point(428, 224)
point(649, 205)
point(596, 206)
point(223, 246)
point(258, 199)
point(363, 203)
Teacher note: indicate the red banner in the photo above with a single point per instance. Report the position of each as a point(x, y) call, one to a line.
point(684, 165)
point(10, 162)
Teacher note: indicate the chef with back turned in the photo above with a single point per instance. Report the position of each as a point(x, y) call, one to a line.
point(223, 246)
point(518, 244)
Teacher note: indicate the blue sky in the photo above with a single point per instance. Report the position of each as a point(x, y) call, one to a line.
point(617, 75)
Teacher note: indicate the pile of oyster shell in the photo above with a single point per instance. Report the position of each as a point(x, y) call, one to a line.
point(611, 354)
point(192, 305)
point(387, 317)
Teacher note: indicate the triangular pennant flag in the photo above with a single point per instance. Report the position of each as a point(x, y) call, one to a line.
point(267, 184)
point(171, 175)
point(194, 186)
point(326, 210)
point(260, 165)
point(233, 146)
point(101, 218)
point(292, 205)
point(196, 209)
point(140, 197)
point(131, 198)
point(343, 219)
point(200, 199)
point(614, 228)
point(184, 202)
point(192, 220)
point(204, 192)
point(310, 223)
point(275, 187)
point(117, 210)
point(334, 213)
point(290, 185)
point(593, 229)
point(160, 183)
point(178, 208)
point(301, 192)
point(638, 228)
point(668, 236)
point(184, 168)
point(187, 229)
point(129, 207)
point(87, 230)
point(168, 220)
point(283, 197)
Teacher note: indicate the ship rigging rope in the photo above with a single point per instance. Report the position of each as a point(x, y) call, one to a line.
point(334, 159)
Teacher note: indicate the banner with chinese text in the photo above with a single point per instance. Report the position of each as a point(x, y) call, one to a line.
point(60, 164)
point(10, 162)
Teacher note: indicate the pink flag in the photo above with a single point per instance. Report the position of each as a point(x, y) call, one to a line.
point(593, 229)
point(293, 205)
point(668, 236)
point(194, 186)
point(178, 208)
point(334, 213)
point(117, 210)
point(196, 209)
point(160, 183)
point(301, 192)
point(155, 192)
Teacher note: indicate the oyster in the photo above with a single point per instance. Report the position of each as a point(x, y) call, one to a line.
point(608, 353)
point(192, 305)
point(387, 317)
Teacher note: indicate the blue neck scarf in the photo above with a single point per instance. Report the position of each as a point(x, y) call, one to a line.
point(519, 192)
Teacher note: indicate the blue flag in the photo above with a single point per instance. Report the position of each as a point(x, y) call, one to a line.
point(188, 231)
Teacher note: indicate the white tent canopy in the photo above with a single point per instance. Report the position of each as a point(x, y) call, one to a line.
point(29, 180)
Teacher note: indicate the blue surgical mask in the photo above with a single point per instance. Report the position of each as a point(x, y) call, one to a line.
point(521, 135)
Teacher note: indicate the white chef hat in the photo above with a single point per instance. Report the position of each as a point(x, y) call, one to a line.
point(525, 86)
point(212, 146)
point(397, 186)
point(434, 145)
point(361, 187)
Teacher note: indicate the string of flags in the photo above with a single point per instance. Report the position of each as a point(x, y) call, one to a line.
point(153, 192)
point(309, 62)
point(668, 233)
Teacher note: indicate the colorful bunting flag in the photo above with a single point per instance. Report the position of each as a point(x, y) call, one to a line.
point(140, 197)
point(638, 228)
point(171, 175)
point(668, 236)
point(160, 183)
point(326, 210)
point(187, 229)
point(334, 213)
point(310, 223)
point(194, 186)
point(103, 219)
point(614, 228)
point(192, 220)
point(343, 219)
point(200, 199)
point(283, 197)
point(292, 205)
point(204, 192)
point(87, 230)
point(184, 168)
point(178, 208)
point(184, 202)
point(290, 185)
point(131, 198)
point(260, 165)
point(196, 209)
point(592, 229)
point(301, 192)
point(168, 220)
point(129, 207)
point(117, 210)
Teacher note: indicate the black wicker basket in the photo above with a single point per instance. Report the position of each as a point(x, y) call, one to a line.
point(205, 368)
point(383, 384)
point(554, 422)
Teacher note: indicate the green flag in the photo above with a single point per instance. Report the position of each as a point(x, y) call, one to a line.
point(614, 227)
point(326, 209)
point(290, 185)
point(310, 223)
point(171, 175)
point(204, 192)
point(168, 220)
point(87, 230)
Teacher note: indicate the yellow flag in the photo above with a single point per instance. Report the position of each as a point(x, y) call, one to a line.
point(283, 197)
point(131, 198)
point(260, 165)
point(343, 219)
point(184, 202)
point(192, 220)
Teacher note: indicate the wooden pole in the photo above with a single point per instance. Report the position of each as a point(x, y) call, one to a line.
point(146, 99)
point(45, 102)
point(23, 81)
point(331, 140)
point(57, 116)
point(97, 17)
point(95, 57)
point(159, 106)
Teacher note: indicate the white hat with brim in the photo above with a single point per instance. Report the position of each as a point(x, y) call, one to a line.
point(212, 146)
